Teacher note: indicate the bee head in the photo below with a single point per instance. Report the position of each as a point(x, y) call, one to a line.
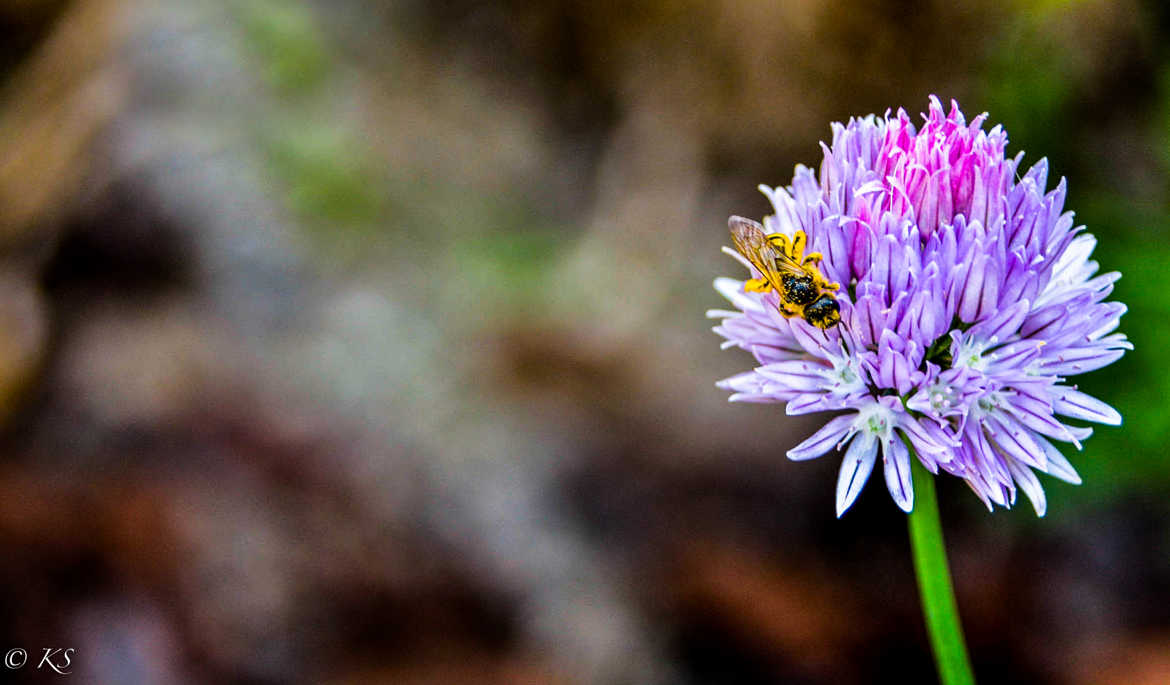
point(824, 312)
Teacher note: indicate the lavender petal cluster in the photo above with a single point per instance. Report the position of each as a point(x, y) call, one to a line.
point(968, 300)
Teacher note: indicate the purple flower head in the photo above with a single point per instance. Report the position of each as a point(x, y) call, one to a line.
point(967, 300)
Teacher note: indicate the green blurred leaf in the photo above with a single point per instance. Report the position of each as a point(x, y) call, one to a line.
point(285, 36)
point(327, 176)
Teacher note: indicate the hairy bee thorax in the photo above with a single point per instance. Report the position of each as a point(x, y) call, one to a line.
point(798, 290)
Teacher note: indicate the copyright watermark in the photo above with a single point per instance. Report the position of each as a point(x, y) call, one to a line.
point(59, 660)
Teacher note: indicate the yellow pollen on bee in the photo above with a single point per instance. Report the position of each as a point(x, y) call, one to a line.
point(757, 285)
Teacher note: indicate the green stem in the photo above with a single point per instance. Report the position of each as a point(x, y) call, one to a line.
point(934, 582)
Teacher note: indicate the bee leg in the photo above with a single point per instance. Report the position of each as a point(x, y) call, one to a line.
point(780, 242)
point(811, 260)
point(790, 311)
point(757, 285)
point(823, 283)
point(797, 250)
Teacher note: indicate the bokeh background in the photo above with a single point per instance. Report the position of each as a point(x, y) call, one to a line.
point(363, 342)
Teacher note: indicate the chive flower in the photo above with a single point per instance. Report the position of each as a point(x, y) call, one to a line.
point(967, 300)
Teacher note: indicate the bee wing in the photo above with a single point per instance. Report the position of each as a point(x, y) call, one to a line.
point(750, 241)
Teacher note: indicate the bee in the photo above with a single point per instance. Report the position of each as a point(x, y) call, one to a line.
point(803, 291)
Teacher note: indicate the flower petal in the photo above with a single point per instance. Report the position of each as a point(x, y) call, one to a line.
point(855, 470)
point(999, 327)
point(823, 440)
point(1029, 484)
point(930, 442)
point(733, 291)
point(1071, 361)
point(1076, 404)
point(1013, 440)
point(800, 375)
point(1058, 465)
point(896, 461)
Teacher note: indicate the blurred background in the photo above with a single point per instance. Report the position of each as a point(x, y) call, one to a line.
point(364, 342)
